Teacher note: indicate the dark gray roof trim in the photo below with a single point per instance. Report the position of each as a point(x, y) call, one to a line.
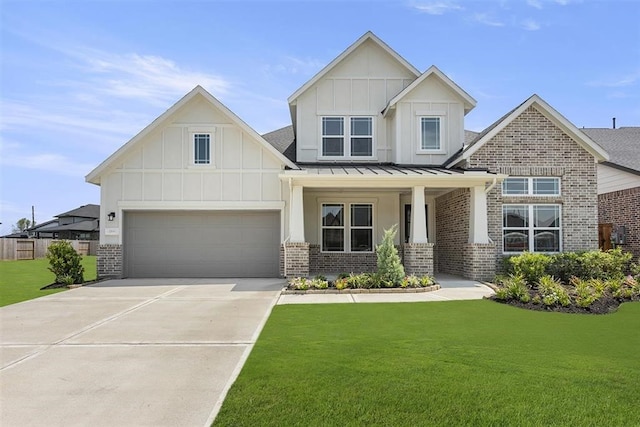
point(85, 211)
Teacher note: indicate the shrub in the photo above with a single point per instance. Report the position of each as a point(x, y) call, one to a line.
point(610, 264)
point(410, 282)
point(426, 281)
point(566, 265)
point(65, 261)
point(300, 283)
point(513, 288)
point(531, 266)
point(319, 283)
point(552, 292)
point(341, 283)
point(390, 268)
point(585, 293)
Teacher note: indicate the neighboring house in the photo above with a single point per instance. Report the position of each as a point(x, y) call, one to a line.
point(78, 224)
point(619, 187)
point(373, 143)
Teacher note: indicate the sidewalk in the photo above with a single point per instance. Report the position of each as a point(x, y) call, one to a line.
point(452, 288)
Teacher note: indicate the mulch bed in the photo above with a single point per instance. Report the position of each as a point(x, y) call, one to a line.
point(605, 305)
point(62, 285)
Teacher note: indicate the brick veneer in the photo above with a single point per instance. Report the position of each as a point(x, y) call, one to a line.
point(452, 230)
point(341, 262)
point(531, 145)
point(109, 263)
point(479, 261)
point(296, 259)
point(418, 258)
point(623, 208)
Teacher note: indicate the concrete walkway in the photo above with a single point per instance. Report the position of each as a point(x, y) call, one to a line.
point(452, 288)
point(129, 352)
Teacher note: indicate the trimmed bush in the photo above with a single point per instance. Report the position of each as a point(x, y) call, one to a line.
point(65, 263)
point(552, 292)
point(531, 266)
point(390, 267)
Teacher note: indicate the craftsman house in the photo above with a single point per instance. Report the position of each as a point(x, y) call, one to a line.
point(373, 143)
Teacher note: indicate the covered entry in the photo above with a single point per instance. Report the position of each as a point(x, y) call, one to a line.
point(201, 243)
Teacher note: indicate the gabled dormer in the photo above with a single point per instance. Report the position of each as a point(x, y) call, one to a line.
point(337, 115)
point(371, 105)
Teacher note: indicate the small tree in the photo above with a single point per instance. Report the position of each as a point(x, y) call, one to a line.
point(65, 262)
point(390, 268)
point(21, 225)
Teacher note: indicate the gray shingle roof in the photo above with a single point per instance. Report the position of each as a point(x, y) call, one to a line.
point(469, 135)
point(85, 211)
point(284, 141)
point(622, 144)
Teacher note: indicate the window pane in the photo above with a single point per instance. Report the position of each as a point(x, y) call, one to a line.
point(516, 241)
point(361, 146)
point(546, 241)
point(361, 216)
point(361, 126)
point(332, 146)
point(333, 239)
point(332, 126)
point(332, 216)
point(201, 148)
point(546, 186)
point(515, 216)
point(430, 129)
point(361, 240)
point(546, 216)
point(515, 186)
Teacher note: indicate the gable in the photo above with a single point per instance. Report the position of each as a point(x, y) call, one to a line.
point(197, 111)
point(529, 141)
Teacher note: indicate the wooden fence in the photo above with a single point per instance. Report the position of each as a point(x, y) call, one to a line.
point(13, 249)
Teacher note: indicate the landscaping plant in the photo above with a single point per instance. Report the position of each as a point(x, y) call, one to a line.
point(390, 267)
point(65, 262)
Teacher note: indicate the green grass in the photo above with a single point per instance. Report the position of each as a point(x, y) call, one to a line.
point(439, 363)
point(22, 280)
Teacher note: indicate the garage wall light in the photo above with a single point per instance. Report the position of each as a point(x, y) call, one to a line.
point(111, 216)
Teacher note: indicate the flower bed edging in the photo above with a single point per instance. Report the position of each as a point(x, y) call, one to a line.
point(431, 288)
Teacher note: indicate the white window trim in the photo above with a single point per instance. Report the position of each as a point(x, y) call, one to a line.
point(347, 224)
point(434, 115)
point(529, 192)
point(211, 131)
point(346, 142)
point(530, 229)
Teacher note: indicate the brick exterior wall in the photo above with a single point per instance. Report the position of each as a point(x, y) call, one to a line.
point(341, 262)
point(296, 259)
point(418, 258)
point(623, 208)
point(531, 145)
point(452, 230)
point(479, 261)
point(109, 262)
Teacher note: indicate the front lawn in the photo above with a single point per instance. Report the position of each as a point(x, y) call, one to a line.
point(445, 363)
point(22, 280)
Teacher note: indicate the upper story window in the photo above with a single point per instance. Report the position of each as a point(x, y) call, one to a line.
point(531, 186)
point(347, 137)
point(202, 148)
point(430, 134)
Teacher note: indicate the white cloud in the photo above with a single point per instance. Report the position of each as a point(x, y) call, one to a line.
point(437, 7)
point(535, 3)
point(486, 19)
point(293, 65)
point(20, 156)
point(530, 25)
point(626, 80)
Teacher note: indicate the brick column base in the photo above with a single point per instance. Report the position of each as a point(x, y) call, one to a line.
point(109, 261)
point(418, 258)
point(479, 261)
point(296, 260)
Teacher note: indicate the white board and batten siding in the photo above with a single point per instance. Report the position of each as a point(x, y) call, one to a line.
point(360, 85)
point(612, 179)
point(159, 172)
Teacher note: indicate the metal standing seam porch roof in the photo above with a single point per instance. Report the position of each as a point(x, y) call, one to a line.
point(387, 175)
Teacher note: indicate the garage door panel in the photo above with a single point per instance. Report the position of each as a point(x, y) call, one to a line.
point(202, 244)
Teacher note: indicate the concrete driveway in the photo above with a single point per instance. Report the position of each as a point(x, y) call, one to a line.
point(129, 352)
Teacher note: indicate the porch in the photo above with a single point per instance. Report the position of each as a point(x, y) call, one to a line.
point(337, 216)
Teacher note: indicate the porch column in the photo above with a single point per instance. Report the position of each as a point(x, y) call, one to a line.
point(296, 216)
point(478, 224)
point(418, 220)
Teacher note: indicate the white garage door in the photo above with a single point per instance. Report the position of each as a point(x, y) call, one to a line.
point(202, 244)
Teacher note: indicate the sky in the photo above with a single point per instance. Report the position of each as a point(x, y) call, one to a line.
point(78, 79)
